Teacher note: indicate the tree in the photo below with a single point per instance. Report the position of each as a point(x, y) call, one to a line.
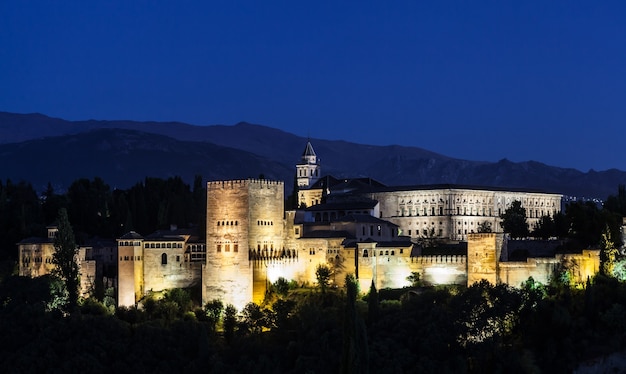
point(281, 287)
point(617, 203)
point(213, 310)
point(608, 253)
point(372, 304)
point(415, 279)
point(230, 322)
point(292, 200)
point(544, 228)
point(355, 355)
point(484, 227)
point(64, 257)
point(253, 317)
point(514, 220)
point(322, 273)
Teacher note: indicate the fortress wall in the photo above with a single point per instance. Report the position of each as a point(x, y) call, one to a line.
point(386, 271)
point(582, 266)
point(516, 273)
point(87, 271)
point(175, 274)
point(392, 271)
point(441, 269)
point(268, 271)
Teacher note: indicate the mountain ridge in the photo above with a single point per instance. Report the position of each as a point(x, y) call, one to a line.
point(269, 151)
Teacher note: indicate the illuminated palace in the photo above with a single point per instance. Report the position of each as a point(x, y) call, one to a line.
point(357, 226)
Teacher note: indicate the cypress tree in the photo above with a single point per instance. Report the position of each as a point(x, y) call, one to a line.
point(64, 257)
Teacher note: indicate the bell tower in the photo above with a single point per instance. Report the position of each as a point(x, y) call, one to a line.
point(308, 170)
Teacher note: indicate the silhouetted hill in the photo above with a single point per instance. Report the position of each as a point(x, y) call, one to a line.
point(124, 157)
point(272, 148)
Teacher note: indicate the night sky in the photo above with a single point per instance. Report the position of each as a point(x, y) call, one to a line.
point(477, 80)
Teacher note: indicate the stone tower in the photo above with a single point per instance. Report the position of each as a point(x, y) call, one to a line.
point(130, 269)
point(309, 169)
point(483, 255)
point(242, 215)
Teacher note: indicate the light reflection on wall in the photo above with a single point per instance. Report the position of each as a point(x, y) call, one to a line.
point(274, 272)
point(441, 275)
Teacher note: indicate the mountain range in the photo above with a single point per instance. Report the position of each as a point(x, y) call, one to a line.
point(40, 149)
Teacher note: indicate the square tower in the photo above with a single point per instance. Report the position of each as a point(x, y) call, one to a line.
point(242, 215)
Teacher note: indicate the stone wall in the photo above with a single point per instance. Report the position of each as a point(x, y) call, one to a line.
point(35, 259)
point(441, 269)
point(175, 273)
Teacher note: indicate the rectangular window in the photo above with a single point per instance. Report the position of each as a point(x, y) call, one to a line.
point(219, 247)
point(227, 248)
point(235, 247)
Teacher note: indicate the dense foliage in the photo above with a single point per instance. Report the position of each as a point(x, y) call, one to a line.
point(483, 328)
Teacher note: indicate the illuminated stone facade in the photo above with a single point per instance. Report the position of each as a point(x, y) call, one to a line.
point(243, 217)
point(163, 260)
point(354, 226)
point(35, 260)
point(453, 212)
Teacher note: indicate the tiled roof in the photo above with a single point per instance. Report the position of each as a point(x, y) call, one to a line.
point(131, 235)
point(308, 150)
point(35, 240)
point(362, 218)
point(344, 205)
point(326, 234)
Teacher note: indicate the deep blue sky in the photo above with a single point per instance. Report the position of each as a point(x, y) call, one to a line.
point(523, 80)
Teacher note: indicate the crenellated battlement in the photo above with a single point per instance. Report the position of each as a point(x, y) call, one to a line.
point(439, 259)
point(239, 183)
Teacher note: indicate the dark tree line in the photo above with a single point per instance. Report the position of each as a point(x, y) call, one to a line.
point(583, 222)
point(481, 328)
point(96, 210)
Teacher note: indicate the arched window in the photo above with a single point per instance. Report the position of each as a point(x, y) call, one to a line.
point(365, 254)
point(163, 259)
